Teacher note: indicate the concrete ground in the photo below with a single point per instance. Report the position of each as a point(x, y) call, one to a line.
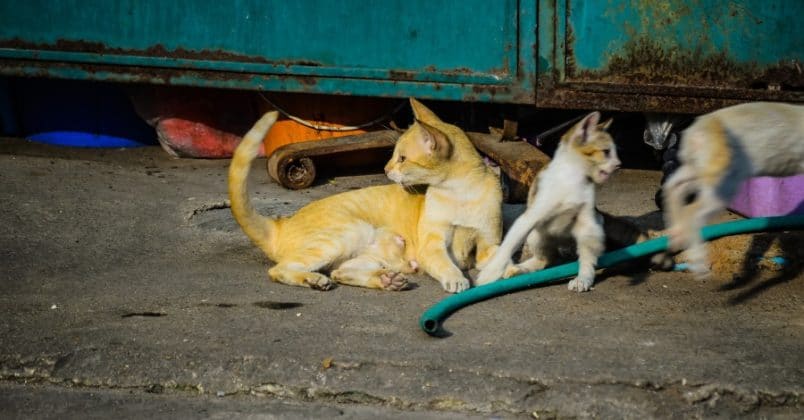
point(129, 291)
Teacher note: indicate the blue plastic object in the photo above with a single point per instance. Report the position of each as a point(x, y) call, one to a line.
point(78, 114)
point(83, 139)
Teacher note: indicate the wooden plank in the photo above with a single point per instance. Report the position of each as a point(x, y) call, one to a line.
point(293, 165)
point(518, 160)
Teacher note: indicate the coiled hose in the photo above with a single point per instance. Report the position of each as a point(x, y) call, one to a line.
point(432, 319)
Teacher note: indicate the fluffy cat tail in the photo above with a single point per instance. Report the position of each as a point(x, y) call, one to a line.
point(257, 227)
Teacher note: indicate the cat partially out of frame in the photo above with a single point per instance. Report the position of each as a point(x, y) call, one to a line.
point(718, 152)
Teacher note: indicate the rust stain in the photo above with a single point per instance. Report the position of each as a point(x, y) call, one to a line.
point(782, 76)
point(648, 76)
point(146, 74)
point(490, 90)
point(569, 61)
point(605, 96)
point(401, 76)
point(411, 75)
point(303, 80)
point(646, 61)
point(460, 70)
point(158, 50)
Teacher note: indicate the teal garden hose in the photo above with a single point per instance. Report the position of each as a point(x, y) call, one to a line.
point(432, 319)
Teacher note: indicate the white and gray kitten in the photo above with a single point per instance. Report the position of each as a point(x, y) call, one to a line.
point(561, 204)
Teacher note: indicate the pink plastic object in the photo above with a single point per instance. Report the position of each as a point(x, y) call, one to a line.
point(767, 196)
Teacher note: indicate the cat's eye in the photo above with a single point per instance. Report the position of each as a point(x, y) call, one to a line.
point(690, 197)
point(606, 152)
point(400, 159)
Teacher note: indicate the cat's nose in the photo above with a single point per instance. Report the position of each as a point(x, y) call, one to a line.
point(389, 172)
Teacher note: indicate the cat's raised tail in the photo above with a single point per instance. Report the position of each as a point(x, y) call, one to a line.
point(257, 227)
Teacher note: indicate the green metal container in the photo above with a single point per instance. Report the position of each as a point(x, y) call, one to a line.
point(628, 55)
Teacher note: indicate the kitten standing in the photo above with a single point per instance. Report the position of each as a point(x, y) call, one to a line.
point(561, 203)
point(718, 152)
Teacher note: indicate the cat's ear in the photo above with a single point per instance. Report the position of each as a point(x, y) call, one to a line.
point(579, 133)
point(435, 142)
point(605, 124)
point(422, 113)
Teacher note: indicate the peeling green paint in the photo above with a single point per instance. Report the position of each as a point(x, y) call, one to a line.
point(748, 32)
point(416, 47)
point(647, 55)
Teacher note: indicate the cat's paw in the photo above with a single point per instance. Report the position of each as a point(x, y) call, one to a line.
point(700, 269)
point(455, 285)
point(491, 272)
point(319, 281)
point(512, 270)
point(393, 281)
point(698, 261)
point(581, 284)
point(662, 261)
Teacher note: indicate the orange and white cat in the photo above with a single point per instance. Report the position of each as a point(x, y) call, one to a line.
point(718, 152)
point(561, 204)
point(462, 209)
point(384, 253)
point(373, 236)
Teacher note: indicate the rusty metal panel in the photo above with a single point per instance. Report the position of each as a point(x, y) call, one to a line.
point(447, 49)
point(671, 55)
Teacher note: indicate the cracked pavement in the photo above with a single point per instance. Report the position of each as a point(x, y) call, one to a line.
point(129, 291)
